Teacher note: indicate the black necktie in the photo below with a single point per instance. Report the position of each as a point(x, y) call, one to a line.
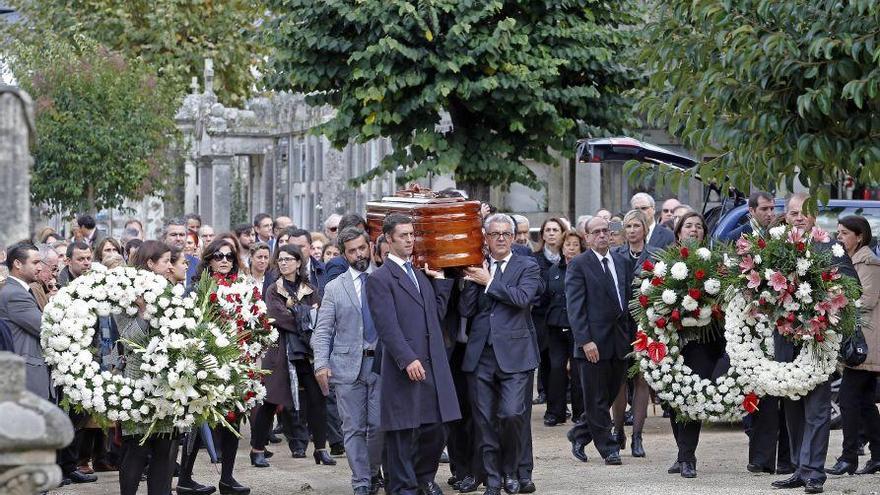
point(610, 280)
point(498, 272)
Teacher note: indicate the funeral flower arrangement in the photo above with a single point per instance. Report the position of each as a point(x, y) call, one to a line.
point(235, 306)
point(787, 283)
point(189, 369)
point(678, 300)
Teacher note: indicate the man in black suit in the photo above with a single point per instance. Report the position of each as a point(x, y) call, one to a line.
point(808, 419)
point(502, 351)
point(658, 236)
point(598, 286)
point(419, 395)
point(761, 214)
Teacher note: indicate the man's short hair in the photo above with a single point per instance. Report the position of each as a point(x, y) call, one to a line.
point(332, 217)
point(193, 216)
point(377, 250)
point(300, 233)
point(349, 234)
point(80, 245)
point(259, 217)
point(351, 220)
point(134, 220)
point(19, 252)
point(173, 222)
point(798, 195)
point(755, 196)
point(45, 250)
point(392, 221)
point(642, 195)
point(86, 221)
point(499, 218)
point(242, 229)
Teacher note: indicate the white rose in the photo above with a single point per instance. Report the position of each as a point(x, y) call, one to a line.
point(679, 271)
point(669, 296)
point(704, 253)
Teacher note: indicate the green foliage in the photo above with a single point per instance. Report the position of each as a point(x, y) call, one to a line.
point(173, 35)
point(103, 124)
point(770, 88)
point(517, 78)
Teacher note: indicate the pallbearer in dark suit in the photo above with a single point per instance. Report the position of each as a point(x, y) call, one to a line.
point(419, 396)
point(502, 351)
point(598, 286)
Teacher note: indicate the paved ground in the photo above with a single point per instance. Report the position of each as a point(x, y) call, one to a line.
point(722, 457)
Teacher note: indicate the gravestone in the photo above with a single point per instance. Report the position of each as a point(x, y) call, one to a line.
point(16, 138)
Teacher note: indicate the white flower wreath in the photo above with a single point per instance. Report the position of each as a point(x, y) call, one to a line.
point(185, 374)
point(750, 347)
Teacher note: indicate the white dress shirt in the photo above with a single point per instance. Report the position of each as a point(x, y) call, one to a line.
point(493, 268)
point(613, 271)
point(401, 262)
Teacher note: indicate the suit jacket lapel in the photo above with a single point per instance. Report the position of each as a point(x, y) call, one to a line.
point(348, 283)
point(620, 268)
point(599, 271)
point(405, 282)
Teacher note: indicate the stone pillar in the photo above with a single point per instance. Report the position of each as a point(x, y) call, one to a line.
point(16, 137)
point(221, 195)
point(31, 431)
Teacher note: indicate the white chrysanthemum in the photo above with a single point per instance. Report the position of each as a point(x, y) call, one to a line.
point(758, 259)
point(712, 286)
point(837, 249)
point(704, 253)
point(679, 271)
point(804, 292)
point(660, 269)
point(777, 232)
point(669, 296)
point(803, 265)
point(689, 303)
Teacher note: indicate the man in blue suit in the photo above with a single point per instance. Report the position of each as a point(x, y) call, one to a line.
point(658, 236)
point(502, 351)
point(418, 393)
point(598, 287)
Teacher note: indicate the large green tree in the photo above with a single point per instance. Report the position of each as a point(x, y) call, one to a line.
point(517, 78)
point(173, 35)
point(770, 87)
point(103, 124)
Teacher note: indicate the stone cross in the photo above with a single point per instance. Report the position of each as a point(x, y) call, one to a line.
point(31, 430)
point(16, 138)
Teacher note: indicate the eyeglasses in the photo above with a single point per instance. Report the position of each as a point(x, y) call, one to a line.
point(644, 208)
point(284, 261)
point(333, 229)
point(600, 232)
point(667, 210)
point(222, 256)
point(496, 235)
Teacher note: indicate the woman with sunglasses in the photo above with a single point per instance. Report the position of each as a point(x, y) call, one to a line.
point(703, 354)
point(290, 300)
point(160, 450)
point(220, 259)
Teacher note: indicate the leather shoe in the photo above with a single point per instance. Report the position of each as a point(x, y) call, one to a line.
point(871, 467)
point(814, 486)
point(613, 459)
point(452, 481)
point(298, 453)
point(620, 438)
point(268, 453)
point(675, 468)
point(492, 490)
point(258, 459)
point(273, 438)
point(337, 449)
point(322, 457)
point(577, 450)
point(233, 488)
point(362, 490)
point(843, 467)
point(688, 470)
point(103, 467)
point(792, 482)
point(510, 483)
point(553, 420)
point(431, 488)
point(788, 469)
point(757, 468)
point(78, 477)
point(540, 399)
point(468, 484)
point(638, 450)
point(527, 486)
point(194, 488)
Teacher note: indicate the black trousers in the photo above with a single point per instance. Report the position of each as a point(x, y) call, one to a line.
point(560, 343)
point(412, 457)
point(527, 458)
point(499, 409)
point(312, 403)
point(859, 413)
point(768, 435)
point(68, 457)
point(228, 448)
point(600, 383)
point(464, 459)
point(704, 359)
point(160, 452)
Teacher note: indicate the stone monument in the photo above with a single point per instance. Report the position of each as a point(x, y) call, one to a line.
point(16, 138)
point(31, 430)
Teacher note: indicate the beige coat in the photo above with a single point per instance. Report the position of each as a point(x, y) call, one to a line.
point(868, 267)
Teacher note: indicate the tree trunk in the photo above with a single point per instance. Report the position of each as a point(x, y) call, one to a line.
point(475, 190)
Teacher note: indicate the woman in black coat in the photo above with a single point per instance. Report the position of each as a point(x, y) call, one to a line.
point(547, 254)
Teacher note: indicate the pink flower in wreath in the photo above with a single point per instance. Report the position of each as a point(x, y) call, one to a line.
point(817, 326)
point(747, 264)
point(819, 235)
point(754, 279)
point(795, 235)
point(743, 246)
point(823, 307)
point(838, 302)
point(778, 282)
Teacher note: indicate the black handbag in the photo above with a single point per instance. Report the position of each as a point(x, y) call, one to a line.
point(854, 349)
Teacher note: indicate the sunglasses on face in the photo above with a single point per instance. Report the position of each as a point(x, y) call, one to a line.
point(333, 229)
point(222, 256)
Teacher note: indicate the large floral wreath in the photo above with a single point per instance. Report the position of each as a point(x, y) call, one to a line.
point(784, 283)
point(677, 300)
point(190, 369)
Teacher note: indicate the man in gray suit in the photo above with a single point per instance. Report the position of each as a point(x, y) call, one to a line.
point(344, 343)
point(19, 308)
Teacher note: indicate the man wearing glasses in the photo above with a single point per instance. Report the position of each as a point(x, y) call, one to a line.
point(668, 209)
point(598, 287)
point(501, 353)
point(658, 236)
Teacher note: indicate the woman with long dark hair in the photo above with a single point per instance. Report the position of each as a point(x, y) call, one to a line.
point(160, 450)
point(220, 259)
point(548, 253)
point(703, 354)
point(290, 301)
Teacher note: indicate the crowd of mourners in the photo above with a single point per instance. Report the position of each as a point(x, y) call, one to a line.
point(403, 367)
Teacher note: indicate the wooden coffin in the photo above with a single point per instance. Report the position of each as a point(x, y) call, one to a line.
point(448, 231)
